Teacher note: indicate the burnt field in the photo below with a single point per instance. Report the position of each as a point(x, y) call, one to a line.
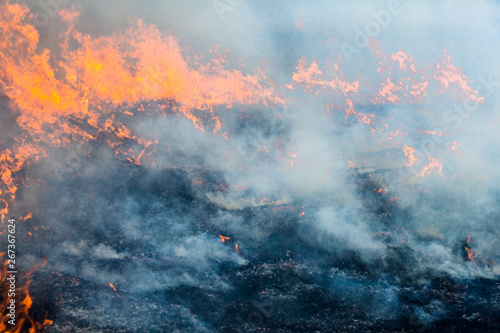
point(249, 166)
point(285, 278)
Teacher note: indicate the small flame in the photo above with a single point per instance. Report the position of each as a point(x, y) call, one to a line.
point(470, 253)
point(48, 322)
point(411, 158)
point(26, 217)
point(223, 239)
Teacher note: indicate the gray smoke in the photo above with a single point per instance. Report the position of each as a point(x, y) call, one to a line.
point(156, 227)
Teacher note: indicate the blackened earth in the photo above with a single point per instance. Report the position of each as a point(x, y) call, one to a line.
point(288, 283)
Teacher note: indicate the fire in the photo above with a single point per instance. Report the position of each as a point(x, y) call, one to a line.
point(97, 77)
point(430, 132)
point(12, 161)
point(411, 158)
point(433, 165)
point(392, 137)
point(75, 97)
point(24, 322)
point(47, 322)
point(314, 81)
point(83, 93)
point(470, 253)
point(223, 239)
point(26, 217)
point(266, 201)
point(161, 74)
point(452, 79)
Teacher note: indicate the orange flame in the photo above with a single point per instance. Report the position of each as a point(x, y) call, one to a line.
point(411, 158)
point(430, 132)
point(24, 322)
point(434, 165)
point(26, 217)
point(223, 239)
point(451, 78)
point(313, 80)
point(470, 253)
